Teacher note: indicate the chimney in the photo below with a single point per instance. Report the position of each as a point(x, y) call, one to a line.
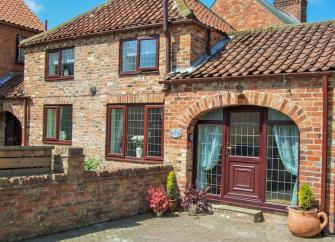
point(295, 8)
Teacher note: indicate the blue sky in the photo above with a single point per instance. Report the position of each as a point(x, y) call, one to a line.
point(58, 11)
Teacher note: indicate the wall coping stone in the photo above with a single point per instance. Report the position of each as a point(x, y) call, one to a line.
point(25, 148)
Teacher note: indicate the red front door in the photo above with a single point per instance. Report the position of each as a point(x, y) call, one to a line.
point(244, 176)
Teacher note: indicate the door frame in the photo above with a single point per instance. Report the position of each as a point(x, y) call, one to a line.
point(231, 200)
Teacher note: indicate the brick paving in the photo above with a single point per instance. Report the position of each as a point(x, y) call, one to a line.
point(178, 228)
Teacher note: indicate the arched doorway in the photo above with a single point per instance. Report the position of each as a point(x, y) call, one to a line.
point(247, 155)
point(13, 130)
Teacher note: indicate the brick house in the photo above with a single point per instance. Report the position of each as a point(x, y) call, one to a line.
point(248, 114)
point(16, 23)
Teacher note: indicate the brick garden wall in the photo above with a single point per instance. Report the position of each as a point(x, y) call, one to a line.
point(299, 98)
point(33, 206)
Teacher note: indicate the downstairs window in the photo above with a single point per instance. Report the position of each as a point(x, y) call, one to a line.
point(135, 131)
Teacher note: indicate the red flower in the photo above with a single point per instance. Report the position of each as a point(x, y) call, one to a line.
point(158, 200)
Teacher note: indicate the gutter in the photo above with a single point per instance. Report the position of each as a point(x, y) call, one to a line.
point(167, 36)
point(232, 78)
point(324, 142)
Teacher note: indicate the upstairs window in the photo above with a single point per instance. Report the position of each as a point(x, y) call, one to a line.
point(135, 132)
point(58, 124)
point(19, 56)
point(60, 64)
point(138, 55)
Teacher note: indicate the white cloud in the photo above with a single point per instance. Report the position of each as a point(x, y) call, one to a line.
point(34, 5)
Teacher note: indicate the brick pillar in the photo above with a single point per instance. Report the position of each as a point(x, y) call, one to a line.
point(71, 163)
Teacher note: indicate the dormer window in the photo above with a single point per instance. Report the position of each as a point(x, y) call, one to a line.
point(60, 64)
point(139, 55)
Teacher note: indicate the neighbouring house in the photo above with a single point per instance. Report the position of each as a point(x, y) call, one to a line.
point(247, 114)
point(17, 22)
point(251, 14)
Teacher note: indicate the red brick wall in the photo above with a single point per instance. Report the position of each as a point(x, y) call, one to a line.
point(8, 35)
point(245, 14)
point(33, 206)
point(296, 8)
point(300, 99)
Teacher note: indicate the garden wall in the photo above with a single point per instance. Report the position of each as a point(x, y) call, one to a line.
point(38, 205)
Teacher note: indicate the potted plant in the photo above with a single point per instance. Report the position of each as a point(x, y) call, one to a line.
point(171, 188)
point(158, 200)
point(138, 141)
point(304, 220)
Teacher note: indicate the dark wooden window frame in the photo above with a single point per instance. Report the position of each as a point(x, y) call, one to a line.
point(265, 124)
point(59, 69)
point(18, 49)
point(55, 140)
point(123, 156)
point(139, 69)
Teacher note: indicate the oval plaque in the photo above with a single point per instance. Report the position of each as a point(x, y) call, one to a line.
point(176, 133)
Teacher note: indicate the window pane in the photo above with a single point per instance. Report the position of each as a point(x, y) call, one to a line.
point(129, 55)
point(116, 131)
point(53, 64)
point(51, 123)
point(209, 158)
point(67, 62)
point(148, 49)
point(135, 127)
point(282, 164)
point(275, 115)
point(155, 122)
point(244, 134)
point(19, 51)
point(65, 129)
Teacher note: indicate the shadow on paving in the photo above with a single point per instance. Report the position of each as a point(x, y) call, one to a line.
point(125, 223)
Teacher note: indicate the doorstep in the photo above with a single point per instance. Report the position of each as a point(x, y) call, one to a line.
point(248, 215)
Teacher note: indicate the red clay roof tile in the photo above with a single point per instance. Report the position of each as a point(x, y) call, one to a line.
point(121, 14)
point(18, 13)
point(299, 48)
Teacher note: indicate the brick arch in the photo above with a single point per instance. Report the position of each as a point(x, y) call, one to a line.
point(17, 112)
point(262, 99)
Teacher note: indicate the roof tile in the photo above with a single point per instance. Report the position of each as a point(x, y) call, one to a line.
point(299, 48)
point(121, 14)
point(18, 13)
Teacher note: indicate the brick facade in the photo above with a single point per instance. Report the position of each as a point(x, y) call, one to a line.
point(300, 99)
point(54, 203)
point(97, 64)
point(245, 14)
point(8, 35)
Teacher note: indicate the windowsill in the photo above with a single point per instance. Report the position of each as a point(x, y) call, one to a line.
point(62, 78)
point(150, 160)
point(134, 73)
point(57, 142)
point(19, 63)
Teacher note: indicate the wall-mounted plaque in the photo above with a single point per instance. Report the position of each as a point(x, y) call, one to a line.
point(176, 133)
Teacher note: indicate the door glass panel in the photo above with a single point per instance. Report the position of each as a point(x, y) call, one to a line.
point(244, 134)
point(209, 158)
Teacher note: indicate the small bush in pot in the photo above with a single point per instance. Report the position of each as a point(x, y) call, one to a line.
point(171, 188)
point(92, 164)
point(196, 202)
point(304, 220)
point(158, 200)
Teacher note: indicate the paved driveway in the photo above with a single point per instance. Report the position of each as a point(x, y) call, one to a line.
point(178, 228)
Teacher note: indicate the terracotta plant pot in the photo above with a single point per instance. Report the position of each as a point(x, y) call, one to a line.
point(306, 224)
point(172, 205)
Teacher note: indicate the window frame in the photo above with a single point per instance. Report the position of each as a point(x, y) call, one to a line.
point(55, 140)
point(123, 156)
point(59, 76)
point(18, 49)
point(139, 69)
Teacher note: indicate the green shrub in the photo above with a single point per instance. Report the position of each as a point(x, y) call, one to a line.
point(92, 164)
point(171, 185)
point(306, 197)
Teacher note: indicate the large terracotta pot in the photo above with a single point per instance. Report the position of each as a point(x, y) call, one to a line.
point(306, 224)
